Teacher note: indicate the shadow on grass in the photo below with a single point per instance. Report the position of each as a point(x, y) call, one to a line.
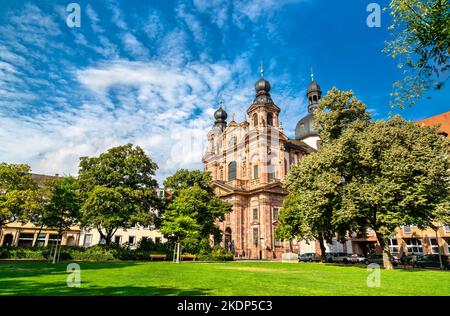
point(26, 288)
point(16, 269)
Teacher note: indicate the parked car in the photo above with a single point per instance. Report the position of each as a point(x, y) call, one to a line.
point(309, 257)
point(378, 259)
point(356, 258)
point(340, 257)
point(329, 256)
point(431, 260)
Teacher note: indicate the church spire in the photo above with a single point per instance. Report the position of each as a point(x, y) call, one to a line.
point(314, 93)
point(261, 70)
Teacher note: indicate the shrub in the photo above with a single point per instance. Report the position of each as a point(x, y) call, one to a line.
point(217, 253)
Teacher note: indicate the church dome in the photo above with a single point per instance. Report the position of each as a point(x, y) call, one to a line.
point(305, 127)
point(262, 85)
point(220, 115)
point(314, 87)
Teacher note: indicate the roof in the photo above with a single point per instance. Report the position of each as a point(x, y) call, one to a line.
point(41, 178)
point(442, 119)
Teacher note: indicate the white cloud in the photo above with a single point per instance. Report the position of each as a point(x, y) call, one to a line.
point(132, 45)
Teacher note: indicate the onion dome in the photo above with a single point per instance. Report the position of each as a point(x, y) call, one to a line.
point(220, 115)
point(314, 87)
point(262, 88)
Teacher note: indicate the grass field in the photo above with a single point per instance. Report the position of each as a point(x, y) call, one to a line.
point(231, 278)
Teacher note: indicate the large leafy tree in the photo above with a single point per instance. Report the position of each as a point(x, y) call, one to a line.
point(20, 197)
point(192, 213)
point(421, 44)
point(117, 190)
point(400, 177)
point(315, 184)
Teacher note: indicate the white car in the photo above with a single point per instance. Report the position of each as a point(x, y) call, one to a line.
point(356, 258)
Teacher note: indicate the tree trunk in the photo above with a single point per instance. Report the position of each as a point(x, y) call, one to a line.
point(386, 252)
point(39, 232)
point(290, 246)
point(322, 247)
point(441, 266)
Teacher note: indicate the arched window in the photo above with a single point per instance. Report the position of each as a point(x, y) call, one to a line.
point(255, 119)
point(255, 172)
point(315, 98)
point(286, 166)
point(270, 119)
point(232, 171)
point(310, 100)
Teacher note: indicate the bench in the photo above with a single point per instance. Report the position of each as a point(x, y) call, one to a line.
point(158, 256)
point(188, 257)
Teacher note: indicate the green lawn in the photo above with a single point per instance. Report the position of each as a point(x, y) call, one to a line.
point(231, 278)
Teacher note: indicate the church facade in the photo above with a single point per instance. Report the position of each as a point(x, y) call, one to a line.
point(248, 162)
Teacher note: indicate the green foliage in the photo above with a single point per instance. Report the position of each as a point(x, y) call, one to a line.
point(95, 253)
point(61, 206)
point(20, 198)
point(338, 111)
point(185, 179)
point(421, 44)
point(377, 175)
point(191, 215)
point(217, 253)
point(117, 190)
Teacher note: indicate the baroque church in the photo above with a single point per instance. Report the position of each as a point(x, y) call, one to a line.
point(248, 162)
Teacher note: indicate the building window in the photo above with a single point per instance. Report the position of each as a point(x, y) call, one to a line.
point(407, 229)
point(117, 239)
point(270, 119)
point(286, 167)
point(271, 172)
point(413, 245)
point(53, 239)
point(131, 240)
point(40, 241)
point(434, 245)
point(255, 214)
point(447, 229)
point(87, 240)
point(393, 245)
point(277, 242)
point(447, 241)
point(255, 237)
point(255, 119)
point(26, 240)
point(275, 213)
point(232, 171)
point(255, 172)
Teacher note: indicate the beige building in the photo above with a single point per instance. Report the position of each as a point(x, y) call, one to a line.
point(28, 235)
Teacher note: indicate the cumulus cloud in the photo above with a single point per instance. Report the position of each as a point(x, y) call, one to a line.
point(66, 94)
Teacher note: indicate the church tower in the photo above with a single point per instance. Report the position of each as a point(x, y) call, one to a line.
point(305, 130)
point(263, 111)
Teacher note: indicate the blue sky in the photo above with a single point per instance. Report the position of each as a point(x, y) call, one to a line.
point(151, 72)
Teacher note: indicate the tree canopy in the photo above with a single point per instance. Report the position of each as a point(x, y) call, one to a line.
point(19, 194)
point(117, 189)
point(192, 213)
point(367, 174)
point(421, 44)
